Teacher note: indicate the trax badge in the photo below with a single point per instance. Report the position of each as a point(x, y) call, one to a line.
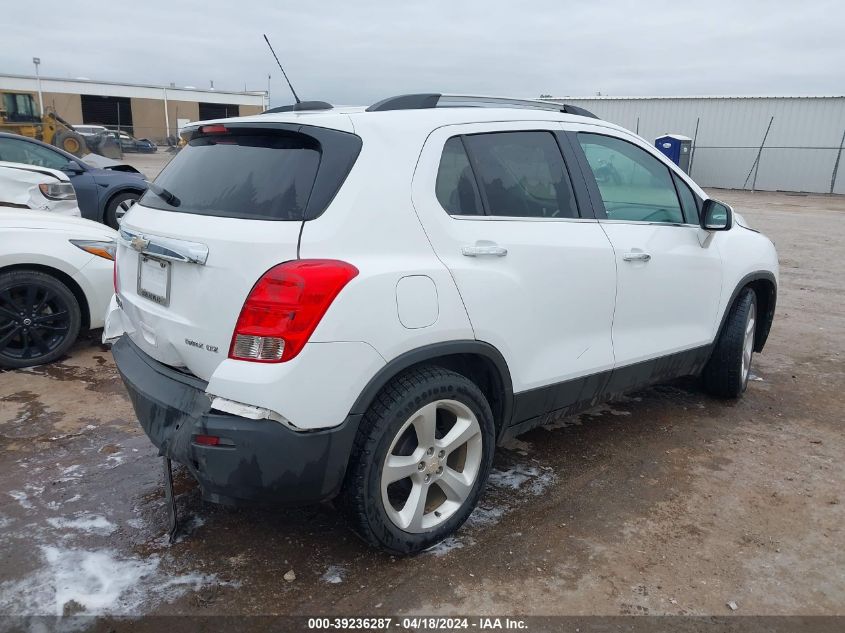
point(208, 348)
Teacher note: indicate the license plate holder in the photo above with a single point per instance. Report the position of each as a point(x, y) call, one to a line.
point(154, 279)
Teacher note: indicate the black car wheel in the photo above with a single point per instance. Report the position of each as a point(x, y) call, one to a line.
point(39, 318)
point(118, 206)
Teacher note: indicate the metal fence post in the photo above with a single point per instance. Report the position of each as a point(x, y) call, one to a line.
point(755, 166)
point(836, 163)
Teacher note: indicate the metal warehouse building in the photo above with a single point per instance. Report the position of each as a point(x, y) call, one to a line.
point(801, 137)
point(145, 111)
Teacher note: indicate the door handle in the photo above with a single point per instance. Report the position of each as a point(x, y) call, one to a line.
point(636, 257)
point(486, 250)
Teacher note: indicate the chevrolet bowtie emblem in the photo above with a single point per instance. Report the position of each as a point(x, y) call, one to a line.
point(139, 243)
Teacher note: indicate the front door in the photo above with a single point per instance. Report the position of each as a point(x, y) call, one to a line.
point(533, 267)
point(669, 270)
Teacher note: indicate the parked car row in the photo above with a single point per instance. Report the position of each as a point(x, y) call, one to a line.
point(103, 194)
point(128, 143)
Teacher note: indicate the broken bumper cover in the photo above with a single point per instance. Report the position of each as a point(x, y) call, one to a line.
point(258, 460)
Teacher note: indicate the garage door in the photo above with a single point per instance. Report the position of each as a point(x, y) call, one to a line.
point(217, 111)
point(110, 111)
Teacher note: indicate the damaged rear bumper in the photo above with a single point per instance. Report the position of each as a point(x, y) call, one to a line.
point(257, 460)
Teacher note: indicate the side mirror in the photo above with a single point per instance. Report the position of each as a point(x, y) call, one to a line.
point(716, 216)
point(72, 167)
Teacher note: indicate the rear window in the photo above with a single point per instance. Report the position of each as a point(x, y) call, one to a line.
point(251, 174)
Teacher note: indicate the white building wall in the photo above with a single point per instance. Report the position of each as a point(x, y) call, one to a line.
point(799, 153)
point(108, 89)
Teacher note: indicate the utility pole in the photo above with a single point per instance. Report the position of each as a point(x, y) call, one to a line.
point(37, 62)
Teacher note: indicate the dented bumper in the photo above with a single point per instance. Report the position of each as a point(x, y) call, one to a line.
point(256, 460)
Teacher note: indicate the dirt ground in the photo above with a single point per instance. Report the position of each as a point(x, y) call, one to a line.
point(666, 502)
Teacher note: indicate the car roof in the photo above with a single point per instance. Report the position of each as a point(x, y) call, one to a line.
point(348, 118)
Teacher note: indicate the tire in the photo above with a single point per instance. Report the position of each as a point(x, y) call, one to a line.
point(71, 142)
point(448, 481)
point(48, 326)
point(726, 373)
point(118, 206)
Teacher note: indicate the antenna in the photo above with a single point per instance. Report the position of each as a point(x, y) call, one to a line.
point(295, 96)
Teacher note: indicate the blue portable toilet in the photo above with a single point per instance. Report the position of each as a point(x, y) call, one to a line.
point(677, 147)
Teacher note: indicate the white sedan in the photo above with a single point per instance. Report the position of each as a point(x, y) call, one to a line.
point(34, 187)
point(56, 278)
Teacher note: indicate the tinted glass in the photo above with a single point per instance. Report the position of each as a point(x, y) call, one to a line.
point(456, 188)
point(254, 175)
point(634, 185)
point(688, 200)
point(522, 174)
point(16, 151)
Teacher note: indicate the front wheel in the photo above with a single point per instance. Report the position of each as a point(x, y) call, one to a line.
point(726, 373)
point(118, 207)
point(420, 462)
point(39, 318)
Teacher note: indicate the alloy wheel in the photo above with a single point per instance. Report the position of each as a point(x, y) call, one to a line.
point(432, 465)
point(34, 321)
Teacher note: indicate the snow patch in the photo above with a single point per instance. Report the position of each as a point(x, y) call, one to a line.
point(334, 575)
point(482, 517)
point(72, 471)
point(100, 581)
point(538, 479)
point(88, 523)
point(21, 497)
point(449, 544)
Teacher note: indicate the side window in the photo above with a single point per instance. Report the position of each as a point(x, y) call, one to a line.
point(634, 185)
point(689, 202)
point(456, 188)
point(16, 151)
point(522, 174)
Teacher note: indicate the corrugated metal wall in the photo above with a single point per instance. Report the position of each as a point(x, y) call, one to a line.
point(800, 151)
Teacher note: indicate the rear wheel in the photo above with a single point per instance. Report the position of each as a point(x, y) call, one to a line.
point(39, 318)
point(118, 206)
point(421, 460)
point(727, 372)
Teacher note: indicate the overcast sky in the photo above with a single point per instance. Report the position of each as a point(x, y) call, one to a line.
point(358, 51)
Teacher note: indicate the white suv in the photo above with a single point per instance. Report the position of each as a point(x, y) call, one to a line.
point(363, 302)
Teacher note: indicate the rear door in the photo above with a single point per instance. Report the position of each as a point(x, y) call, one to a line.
point(534, 269)
point(225, 210)
point(670, 271)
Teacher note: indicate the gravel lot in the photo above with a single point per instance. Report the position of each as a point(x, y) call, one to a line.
point(667, 502)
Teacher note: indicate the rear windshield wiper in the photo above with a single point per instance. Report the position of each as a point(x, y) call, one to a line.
point(165, 195)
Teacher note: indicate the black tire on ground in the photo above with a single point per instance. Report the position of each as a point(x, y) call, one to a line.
point(723, 375)
point(361, 499)
point(49, 324)
point(70, 141)
point(117, 206)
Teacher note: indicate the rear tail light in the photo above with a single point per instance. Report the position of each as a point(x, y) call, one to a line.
point(285, 306)
point(214, 129)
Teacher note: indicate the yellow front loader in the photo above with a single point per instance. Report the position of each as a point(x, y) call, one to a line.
point(19, 115)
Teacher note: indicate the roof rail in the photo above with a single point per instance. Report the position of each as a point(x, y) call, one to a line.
point(302, 105)
point(427, 100)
